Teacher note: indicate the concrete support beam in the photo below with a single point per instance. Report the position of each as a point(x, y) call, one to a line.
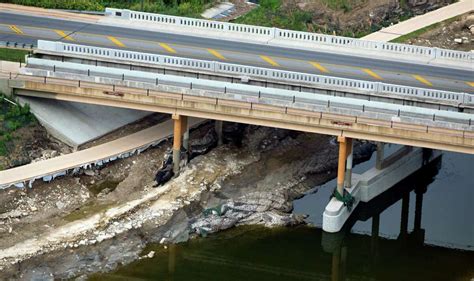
point(404, 216)
point(341, 166)
point(162, 100)
point(218, 127)
point(379, 156)
point(185, 133)
point(178, 130)
point(349, 163)
point(345, 151)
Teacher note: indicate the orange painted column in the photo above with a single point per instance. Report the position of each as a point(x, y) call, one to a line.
point(341, 166)
point(178, 131)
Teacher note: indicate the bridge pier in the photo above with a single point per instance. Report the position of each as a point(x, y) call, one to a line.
point(344, 168)
point(379, 156)
point(180, 122)
point(387, 172)
point(218, 127)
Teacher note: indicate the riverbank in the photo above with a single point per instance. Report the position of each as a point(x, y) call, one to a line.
point(261, 175)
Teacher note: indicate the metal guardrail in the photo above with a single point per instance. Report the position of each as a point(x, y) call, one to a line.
point(16, 45)
point(269, 33)
point(246, 93)
point(319, 81)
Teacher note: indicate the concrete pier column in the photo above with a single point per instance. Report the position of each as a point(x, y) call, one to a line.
point(218, 128)
point(178, 130)
point(185, 129)
point(404, 216)
point(348, 179)
point(419, 191)
point(341, 166)
point(379, 157)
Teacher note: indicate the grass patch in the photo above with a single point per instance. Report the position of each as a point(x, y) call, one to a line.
point(12, 117)
point(189, 8)
point(87, 210)
point(270, 14)
point(345, 5)
point(421, 31)
point(13, 54)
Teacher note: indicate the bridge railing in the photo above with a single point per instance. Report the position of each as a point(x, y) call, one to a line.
point(246, 93)
point(318, 81)
point(266, 34)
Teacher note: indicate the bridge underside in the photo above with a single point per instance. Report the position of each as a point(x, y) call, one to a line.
point(251, 113)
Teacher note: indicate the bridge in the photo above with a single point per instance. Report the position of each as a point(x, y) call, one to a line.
point(260, 87)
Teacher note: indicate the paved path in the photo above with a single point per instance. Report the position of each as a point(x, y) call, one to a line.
point(418, 22)
point(91, 155)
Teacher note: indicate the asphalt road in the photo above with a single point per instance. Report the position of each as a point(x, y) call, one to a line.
point(28, 29)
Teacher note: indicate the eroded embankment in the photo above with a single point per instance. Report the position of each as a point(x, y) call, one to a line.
point(249, 183)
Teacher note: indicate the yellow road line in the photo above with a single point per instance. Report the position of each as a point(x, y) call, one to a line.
point(371, 73)
point(167, 48)
point(216, 54)
point(422, 80)
point(269, 60)
point(116, 41)
point(16, 29)
point(319, 67)
point(63, 35)
point(470, 84)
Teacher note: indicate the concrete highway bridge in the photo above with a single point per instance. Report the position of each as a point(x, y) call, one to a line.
point(273, 81)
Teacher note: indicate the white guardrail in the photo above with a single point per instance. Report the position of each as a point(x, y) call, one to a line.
point(319, 81)
point(249, 93)
point(271, 33)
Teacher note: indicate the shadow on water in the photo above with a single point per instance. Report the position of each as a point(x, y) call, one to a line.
point(307, 253)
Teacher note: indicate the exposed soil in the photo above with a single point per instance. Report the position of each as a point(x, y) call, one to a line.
point(30, 143)
point(86, 210)
point(454, 35)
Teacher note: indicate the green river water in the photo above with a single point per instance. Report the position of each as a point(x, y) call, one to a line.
point(399, 236)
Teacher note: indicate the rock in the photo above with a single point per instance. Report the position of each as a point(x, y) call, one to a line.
point(151, 254)
point(458, 40)
point(60, 205)
point(89, 173)
point(11, 214)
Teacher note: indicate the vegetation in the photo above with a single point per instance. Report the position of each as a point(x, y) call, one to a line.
point(190, 8)
point(270, 13)
point(12, 54)
point(12, 117)
point(345, 5)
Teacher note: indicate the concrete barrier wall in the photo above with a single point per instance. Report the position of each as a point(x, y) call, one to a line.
point(319, 81)
point(250, 93)
point(262, 34)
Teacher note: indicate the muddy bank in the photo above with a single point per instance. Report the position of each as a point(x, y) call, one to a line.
point(258, 177)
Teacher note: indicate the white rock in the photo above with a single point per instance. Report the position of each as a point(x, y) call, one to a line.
point(60, 205)
point(458, 40)
point(151, 254)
